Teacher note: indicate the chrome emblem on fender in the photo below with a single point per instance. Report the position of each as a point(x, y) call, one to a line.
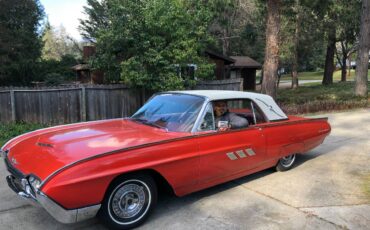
point(14, 161)
point(232, 156)
point(250, 152)
point(239, 154)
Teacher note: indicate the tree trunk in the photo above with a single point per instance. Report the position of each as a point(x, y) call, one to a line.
point(329, 59)
point(295, 55)
point(344, 68)
point(362, 61)
point(225, 43)
point(349, 64)
point(271, 62)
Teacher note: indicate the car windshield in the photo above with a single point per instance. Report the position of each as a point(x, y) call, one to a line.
point(173, 112)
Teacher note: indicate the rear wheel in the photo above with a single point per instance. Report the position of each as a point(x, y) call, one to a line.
point(286, 163)
point(129, 201)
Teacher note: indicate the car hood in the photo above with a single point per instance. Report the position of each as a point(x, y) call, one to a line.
point(45, 151)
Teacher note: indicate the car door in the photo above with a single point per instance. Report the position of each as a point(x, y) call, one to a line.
point(225, 154)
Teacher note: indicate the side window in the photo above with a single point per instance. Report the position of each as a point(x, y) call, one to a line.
point(247, 109)
point(258, 116)
point(208, 122)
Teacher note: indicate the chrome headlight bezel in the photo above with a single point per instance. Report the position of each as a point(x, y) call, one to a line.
point(35, 182)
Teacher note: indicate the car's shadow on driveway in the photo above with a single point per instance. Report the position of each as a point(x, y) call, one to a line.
point(168, 204)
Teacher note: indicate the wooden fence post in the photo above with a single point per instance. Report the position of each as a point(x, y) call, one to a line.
point(12, 104)
point(83, 103)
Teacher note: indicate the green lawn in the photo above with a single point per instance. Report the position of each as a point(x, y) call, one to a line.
point(315, 97)
point(319, 75)
point(8, 131)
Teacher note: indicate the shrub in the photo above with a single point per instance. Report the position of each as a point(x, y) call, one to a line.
point(54, 79)
point(315, 98)
point(10, 130)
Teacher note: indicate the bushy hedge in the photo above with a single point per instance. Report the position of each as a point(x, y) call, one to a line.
point(8, 131)
point(317, 98)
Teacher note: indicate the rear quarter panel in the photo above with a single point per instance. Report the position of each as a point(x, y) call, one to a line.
point(296, 135)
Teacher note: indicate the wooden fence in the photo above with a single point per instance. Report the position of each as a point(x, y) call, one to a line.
point(80, 103)
point(68, 105)
point(235, 84)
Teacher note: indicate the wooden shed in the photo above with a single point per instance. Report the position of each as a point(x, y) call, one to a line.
point(84, 74)
point(222, 62)
point(245, 67)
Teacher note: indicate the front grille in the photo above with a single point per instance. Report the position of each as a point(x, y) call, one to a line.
point(14, 183)
point(15, 179)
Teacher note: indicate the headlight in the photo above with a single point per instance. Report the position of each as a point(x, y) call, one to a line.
point(26, 187)
point(34, 182)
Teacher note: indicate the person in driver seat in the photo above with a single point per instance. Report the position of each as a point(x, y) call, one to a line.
point(221, 112)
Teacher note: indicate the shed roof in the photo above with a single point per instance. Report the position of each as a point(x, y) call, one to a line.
point(265, 102)
point(245, 62)
point(216, 55)
point(80, 67)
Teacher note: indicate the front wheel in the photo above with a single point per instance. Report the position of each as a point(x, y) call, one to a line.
point(286, 163)
point(129, 201)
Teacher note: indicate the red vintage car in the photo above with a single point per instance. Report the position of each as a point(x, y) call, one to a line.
point(184, 140)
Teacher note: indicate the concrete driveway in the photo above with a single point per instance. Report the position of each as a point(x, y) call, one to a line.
point(326, 190)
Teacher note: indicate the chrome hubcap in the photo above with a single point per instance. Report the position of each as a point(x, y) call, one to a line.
point(287, 161)
point(128, 201)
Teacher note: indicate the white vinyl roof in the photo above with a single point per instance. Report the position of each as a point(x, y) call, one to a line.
point(265, 102)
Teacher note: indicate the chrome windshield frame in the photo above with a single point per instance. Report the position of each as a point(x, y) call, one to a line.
point(200, 115)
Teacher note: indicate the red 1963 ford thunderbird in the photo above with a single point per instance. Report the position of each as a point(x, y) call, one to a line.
point(185, 140)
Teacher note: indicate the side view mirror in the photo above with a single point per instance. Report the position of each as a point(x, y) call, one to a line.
point(203, 125)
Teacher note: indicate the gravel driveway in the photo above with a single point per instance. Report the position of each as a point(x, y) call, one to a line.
point(326, 190)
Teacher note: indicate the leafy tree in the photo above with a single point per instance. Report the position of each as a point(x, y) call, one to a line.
point(348, 27)
point(320, 22)
point(58, 43)
point(57, 68)
point(97, 19)
point(252, 39)
point(20, 40)
point(302, 40)
point(230, 19)
point(148, 43)
point(291, 27)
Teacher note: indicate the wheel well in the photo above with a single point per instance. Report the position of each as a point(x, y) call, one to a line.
point(161, 182)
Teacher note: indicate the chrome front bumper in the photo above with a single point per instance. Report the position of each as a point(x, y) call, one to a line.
point(38, 198)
